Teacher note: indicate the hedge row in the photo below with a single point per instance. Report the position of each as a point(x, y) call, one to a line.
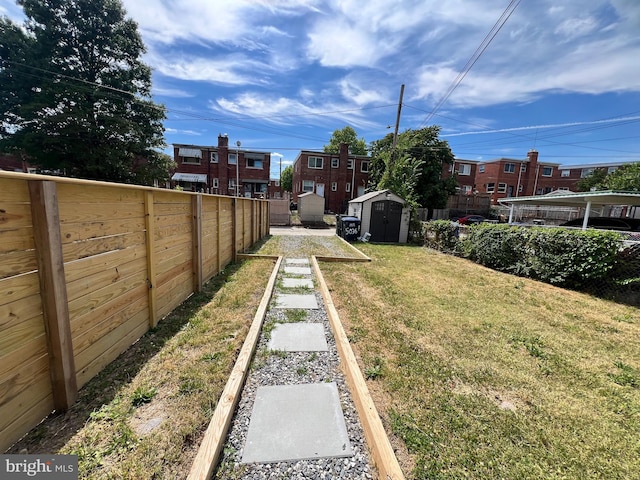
point(569, 258)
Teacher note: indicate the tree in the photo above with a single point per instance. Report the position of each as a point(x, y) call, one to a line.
point(627, 177)
point(357, 146)
point(286, 179)
point(596, 180)
point(75, 95)
point(414, 168)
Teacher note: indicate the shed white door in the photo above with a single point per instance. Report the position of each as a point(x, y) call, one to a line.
point(320, 189)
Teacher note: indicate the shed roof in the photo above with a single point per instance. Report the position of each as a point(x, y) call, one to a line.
point(370, 195)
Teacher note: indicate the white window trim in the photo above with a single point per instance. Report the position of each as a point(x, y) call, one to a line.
point(362, 165)
point(547, 174)
point(502, 188)
point(350, 164)
point(307, 182)
point(348, 188)
point(565, 173)
point(315, 167)
point(216, 183)
point(214, 157)
point(511, 169)
point(464, 169)
point(261, 160)
point(480, 168)
point(491, 187)
point(334, 186)
point(335, 162)
point(234, 157)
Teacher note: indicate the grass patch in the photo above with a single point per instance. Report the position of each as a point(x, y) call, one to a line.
point(479, 374)
point(144, 415)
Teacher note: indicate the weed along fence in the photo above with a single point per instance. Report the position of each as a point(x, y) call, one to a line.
point(86, 268)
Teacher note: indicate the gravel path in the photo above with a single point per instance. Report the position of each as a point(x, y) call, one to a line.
point(269, 368)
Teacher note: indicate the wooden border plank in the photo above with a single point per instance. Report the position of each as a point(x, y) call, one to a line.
point(214, 438)
point(377, 439)
point(53, 291)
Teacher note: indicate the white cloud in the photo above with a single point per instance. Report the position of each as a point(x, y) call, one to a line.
point(171, 92)
point(182, 132)
point(576, 27)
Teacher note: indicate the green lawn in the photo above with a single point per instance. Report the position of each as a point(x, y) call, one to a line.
point(479, 374)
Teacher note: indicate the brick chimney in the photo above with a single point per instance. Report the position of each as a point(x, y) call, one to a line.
point(223, 140)
point(344, 153)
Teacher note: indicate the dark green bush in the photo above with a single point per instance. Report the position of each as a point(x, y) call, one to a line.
point(441, 235)
point(571, 258)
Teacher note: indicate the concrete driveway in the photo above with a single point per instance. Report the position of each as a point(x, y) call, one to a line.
point(297, 230)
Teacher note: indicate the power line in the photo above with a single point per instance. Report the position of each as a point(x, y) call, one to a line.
point(475, 57)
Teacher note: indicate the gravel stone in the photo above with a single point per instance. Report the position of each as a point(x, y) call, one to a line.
point(280, 368)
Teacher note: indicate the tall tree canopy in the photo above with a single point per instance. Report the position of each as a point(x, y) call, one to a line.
point(414, 168)
point(75, 95)
point(286, 179)
point(627, 177)
point(357, 146)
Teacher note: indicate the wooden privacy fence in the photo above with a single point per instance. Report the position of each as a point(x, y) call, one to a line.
point(86, 268)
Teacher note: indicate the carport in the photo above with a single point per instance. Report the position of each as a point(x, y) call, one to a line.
point(585, 200)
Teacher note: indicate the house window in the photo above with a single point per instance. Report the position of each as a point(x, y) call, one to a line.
point(464, 169)
point(216, 183)
point(214, 157)
point(350, 164)
point(315, 162)
point(254, 162)
point(190, 156)
point(564, 189)
point(586, 172)
point(491, 187)
point(502, 188)
point(334, 186)
point(233, 159)
point(232, 183)
point(547, 171)
point(466, 189)
point(611, 169)
point(481, 168)
point(335, 162)
point(307, 185)
point(565, 173)
point(348, 188)
point(276, 183)
point(364, 167)
point(520, 188)
point(523, 167)
point(509, 167)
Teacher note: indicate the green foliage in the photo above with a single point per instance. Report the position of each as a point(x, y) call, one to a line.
point(286, 179)
point(142, 395)
point(627, 178)
point(374, 371)
point(597, 181)
point(626, 376)
point(414, 168)
point(75, 96)
point(357, 146)
point(570, 258)
point(441, 235)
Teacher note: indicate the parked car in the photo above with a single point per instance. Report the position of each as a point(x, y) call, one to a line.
point(606, 223)
point(471, 219)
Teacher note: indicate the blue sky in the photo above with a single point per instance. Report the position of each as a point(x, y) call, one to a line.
point(282, 75)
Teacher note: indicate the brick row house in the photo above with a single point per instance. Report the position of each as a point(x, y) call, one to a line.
point(508, 177)
point(222, 169)
point(337, 178)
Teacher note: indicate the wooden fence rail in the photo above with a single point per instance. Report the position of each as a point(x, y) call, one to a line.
point(86, 268)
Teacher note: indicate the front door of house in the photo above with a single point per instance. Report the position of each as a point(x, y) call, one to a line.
point(320, 189)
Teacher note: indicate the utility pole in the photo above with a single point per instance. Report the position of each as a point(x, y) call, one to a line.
point(237, 162)
point(395, 133)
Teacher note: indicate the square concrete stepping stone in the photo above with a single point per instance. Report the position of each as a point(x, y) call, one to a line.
point(299, 261)
point(296, 422)
point(298, 337)
point(297, 283)
point(296, 301)
point(297, 270)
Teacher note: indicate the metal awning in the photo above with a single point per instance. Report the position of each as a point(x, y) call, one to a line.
point(190, 152)
point(585, 200)
point(189, 177)
point(577, 199)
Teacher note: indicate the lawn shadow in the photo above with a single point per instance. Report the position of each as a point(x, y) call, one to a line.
point(58, 428)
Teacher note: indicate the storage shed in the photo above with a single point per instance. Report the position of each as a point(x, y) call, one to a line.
point(310, 207)
point(383, 215)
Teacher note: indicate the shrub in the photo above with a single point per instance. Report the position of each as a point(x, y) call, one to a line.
point(571, 258)
point(441, 235)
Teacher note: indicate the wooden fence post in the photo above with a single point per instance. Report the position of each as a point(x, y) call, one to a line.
point(196, 210)
point(149, 222)
point(234, 229)
point(53, 291)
